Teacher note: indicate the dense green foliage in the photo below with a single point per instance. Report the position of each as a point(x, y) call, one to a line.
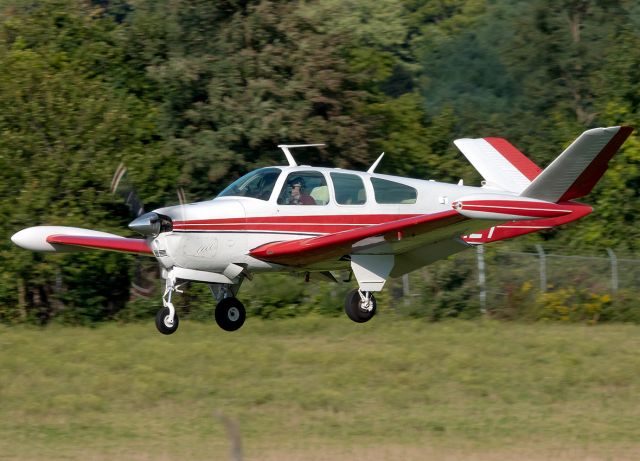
point(192, 94)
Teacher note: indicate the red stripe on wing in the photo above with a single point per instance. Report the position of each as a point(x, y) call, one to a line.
point(310, 250)
point(123, 245)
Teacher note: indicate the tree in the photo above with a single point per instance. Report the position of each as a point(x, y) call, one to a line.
point(64, 130)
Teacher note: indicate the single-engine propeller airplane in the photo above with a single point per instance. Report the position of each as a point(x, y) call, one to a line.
point(317, 220)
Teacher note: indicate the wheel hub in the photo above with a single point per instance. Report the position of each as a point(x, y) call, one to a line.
point(168, 321)
point(233, 314)
point(365, 301)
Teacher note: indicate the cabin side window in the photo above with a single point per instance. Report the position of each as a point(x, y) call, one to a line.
point(304, 188)
point(387, 192)
point(348, 189)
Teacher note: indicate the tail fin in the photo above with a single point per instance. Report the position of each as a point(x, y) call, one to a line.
point(577, 170)
point(501, 165)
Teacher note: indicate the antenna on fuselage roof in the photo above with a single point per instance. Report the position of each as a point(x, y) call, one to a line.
point(375, 164)
point(285, 148)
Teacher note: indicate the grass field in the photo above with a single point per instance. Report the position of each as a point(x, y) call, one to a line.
point(322, 389)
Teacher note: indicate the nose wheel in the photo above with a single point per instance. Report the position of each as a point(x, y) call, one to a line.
point(167, 318)
point(360, 306)
point(165, 323)
point(230, 314)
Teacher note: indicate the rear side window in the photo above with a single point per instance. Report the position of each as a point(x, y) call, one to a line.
point(348, 188)
point(393, 192)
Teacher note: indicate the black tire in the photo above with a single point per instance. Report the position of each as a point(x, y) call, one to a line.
point(161, 323)
point(230, 314)
point(354, 310)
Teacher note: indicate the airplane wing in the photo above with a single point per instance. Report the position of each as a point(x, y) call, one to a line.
point(395, 237)
point(65, 239)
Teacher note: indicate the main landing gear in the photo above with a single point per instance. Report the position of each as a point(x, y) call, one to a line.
point(360, 306)
point(230, 313)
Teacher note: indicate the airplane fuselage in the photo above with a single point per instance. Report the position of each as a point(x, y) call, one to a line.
point(208, 235)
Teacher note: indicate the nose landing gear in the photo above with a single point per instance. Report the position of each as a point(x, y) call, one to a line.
point(165, 323)
point(167, 318)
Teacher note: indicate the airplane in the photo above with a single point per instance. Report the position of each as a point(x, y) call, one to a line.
point(298, 218)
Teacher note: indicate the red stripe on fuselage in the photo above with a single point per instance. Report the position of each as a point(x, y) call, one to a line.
point(312, 228)
point(303, 219)
point(315, 224)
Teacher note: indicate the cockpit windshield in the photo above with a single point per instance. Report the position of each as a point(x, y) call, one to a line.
point(257, 184)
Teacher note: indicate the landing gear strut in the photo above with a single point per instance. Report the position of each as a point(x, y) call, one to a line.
point(360, 306)
point(230, 313)
point(167, 318)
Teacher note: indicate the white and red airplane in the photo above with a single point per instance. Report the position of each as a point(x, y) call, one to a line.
point(317, 220)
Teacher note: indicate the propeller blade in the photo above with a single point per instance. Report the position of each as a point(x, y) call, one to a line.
point(121, 185)
point(182, 197)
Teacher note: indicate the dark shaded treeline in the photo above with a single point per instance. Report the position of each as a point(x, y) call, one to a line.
point(192, 94)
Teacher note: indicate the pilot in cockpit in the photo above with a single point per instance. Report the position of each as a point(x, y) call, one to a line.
point(297, 194)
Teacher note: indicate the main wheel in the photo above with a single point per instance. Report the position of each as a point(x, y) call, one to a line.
point(230, 314)
point(163, 324)
point(356, 309)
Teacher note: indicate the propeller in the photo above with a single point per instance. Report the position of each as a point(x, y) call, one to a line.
point(121, 185)
point(148, 224)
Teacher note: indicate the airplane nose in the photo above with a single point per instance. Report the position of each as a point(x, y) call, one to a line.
point(151, 223)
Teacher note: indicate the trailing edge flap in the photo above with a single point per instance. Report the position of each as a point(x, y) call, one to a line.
point(501, 165)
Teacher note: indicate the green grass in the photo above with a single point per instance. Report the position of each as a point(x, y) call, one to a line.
point(317, 385)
